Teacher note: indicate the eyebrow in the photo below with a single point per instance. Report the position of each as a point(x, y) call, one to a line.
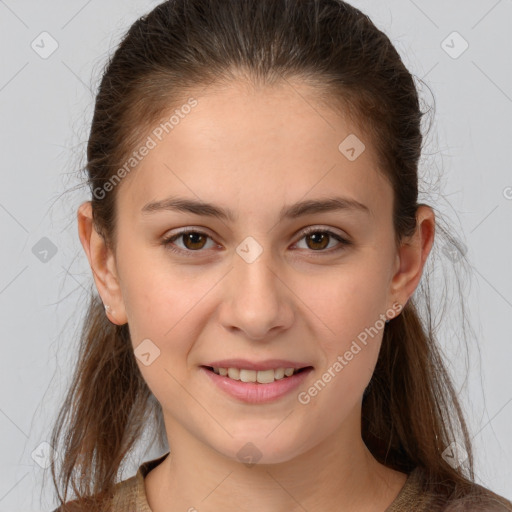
point(183, 204)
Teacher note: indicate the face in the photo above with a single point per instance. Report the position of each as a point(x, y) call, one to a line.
point(255, 285)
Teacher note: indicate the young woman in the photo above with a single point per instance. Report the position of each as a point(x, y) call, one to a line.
point(256, 241)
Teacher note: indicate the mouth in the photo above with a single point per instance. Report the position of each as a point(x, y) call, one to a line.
point(266, 376)
point(256, 383)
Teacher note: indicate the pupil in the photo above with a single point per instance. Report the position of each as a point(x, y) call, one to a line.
point(321, 235)
point(190, 237)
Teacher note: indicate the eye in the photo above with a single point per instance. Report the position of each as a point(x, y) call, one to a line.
point(317, 239)
point(192, 240)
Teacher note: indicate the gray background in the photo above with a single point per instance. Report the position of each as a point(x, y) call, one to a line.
point(46, 106)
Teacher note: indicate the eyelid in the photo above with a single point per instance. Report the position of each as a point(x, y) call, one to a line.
point(168, 240)
point(322, 229)
point(341, 238)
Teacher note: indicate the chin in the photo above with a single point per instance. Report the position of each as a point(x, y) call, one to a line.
point(261, 449)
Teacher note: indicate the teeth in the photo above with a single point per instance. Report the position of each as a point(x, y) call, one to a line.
point(279, 373)
point(261, 376)
point(248, 375)
point(265, 376)
point(233, 373)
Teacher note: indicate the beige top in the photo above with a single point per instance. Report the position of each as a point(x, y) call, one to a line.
point(130, 496)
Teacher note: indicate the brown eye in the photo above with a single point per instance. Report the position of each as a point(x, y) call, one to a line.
point(192, 241)
point(319, 239)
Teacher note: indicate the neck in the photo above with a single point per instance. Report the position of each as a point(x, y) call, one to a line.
point(339, 473)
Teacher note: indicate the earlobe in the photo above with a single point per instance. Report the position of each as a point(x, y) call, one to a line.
point(413, 255)
point(102, 262)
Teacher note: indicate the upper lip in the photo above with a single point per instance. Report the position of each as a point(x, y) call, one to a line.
point(267, 364)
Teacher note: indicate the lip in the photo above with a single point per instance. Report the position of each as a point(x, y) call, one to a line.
point(267, 364)
point(255, 393)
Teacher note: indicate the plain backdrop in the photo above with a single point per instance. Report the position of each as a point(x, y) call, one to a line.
point(52, 54)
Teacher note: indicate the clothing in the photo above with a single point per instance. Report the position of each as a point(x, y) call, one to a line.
point(130, 496)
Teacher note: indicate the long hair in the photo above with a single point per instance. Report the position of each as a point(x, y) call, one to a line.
point(410, 409)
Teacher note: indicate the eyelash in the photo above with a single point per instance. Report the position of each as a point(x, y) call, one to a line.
point(168, 242)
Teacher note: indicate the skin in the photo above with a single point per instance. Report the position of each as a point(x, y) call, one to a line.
point(255, 151)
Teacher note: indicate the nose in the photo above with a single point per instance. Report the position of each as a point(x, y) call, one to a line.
point(256, 299)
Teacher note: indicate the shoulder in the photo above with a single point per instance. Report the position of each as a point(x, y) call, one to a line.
point(123, 497)
point(128, 494)
point(85, 505)
point(480, 499)
point(420, 495)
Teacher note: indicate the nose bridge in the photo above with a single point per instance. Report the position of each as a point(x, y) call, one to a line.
point(257, 301)
point(253, 267)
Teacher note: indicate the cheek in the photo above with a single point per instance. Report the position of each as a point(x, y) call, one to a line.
point(349, 360)
point(157, 295)
point(170, 307)
point(165, 315)
point(161, 308)
point(347, 309)
point(345, 302)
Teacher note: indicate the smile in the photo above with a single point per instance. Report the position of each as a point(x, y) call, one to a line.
point(256, 386)
point(260, 376)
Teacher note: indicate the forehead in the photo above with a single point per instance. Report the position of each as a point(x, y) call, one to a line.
point(257, 148)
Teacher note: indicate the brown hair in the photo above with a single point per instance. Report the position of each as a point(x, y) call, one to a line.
point(410, 410)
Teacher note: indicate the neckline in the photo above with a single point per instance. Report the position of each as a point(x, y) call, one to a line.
point(402, 498)
point(407, 492)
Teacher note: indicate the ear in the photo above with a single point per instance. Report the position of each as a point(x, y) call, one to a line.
point(412, 255)
point(103, 265)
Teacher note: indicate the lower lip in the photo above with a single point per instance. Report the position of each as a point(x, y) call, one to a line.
point(254, 393)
